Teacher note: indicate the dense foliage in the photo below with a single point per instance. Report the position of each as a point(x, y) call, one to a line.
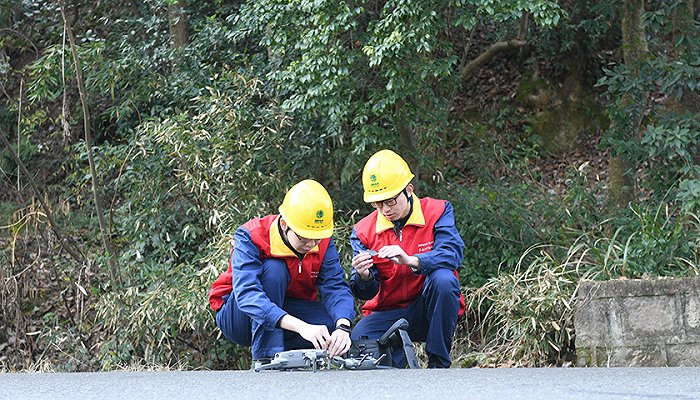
point(192, 140)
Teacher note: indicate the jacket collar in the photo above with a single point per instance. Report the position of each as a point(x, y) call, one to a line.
point(416, 218)
point(277, 246)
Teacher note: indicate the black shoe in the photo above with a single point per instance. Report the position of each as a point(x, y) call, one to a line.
point(435, 362)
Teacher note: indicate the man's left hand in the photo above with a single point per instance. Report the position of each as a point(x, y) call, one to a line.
point(339, 343)
point(399, 255)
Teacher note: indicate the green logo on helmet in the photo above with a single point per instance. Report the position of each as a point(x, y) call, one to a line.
point(319, 218)
point(373, 178)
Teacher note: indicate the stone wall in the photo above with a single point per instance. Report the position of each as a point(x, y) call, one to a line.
point(639, 323)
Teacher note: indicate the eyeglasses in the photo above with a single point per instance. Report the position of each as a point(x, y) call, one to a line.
point(388, 202)
point(301, 239)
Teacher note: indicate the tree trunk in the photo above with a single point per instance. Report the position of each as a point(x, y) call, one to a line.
point(621, 171)
point(634, 41)
point(408, 148)
point(106, 240)
point(683, 18)
point(178, 24)
point(620, 181)
point(683, 26)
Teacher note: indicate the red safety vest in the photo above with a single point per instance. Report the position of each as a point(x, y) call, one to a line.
point(266, 237)
point(398, 285)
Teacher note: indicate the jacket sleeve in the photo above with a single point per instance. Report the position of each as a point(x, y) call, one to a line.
point(363, 290)
point(334, 290)
point(247, 269)
point(448, 249)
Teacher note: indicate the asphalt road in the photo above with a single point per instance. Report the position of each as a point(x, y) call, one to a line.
point(452, 384)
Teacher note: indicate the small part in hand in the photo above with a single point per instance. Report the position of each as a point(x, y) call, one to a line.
point(374, 253)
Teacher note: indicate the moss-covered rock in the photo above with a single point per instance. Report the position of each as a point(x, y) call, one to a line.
point(562, 117)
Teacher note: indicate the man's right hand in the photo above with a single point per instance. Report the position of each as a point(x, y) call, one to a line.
point(316, 334)
point(362, 262)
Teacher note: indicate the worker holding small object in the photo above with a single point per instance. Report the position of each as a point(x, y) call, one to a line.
point(406, 256)
point(280, 264)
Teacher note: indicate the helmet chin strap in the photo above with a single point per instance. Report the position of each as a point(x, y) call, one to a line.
point(401, 222)
point(409, 199)
point(285, 237)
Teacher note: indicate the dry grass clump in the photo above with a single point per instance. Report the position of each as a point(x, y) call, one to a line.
point(525, 317)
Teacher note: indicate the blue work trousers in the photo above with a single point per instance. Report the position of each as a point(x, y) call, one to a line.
point(240, 328)
point(432, 318)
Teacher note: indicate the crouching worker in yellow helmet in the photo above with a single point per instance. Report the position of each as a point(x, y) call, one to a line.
point(267, 299)
point(406, 256)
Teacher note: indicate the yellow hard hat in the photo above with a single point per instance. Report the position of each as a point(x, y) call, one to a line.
point(385, 175)
point(308, 210)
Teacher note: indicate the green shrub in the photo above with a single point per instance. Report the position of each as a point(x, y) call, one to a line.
point(190, 180)
point(650, 242)
point(497, 220)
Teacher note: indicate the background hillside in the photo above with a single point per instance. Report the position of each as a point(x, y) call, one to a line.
point(137, 135)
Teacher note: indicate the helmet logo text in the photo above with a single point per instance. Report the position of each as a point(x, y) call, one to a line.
point(319, 217)
point(373, 178)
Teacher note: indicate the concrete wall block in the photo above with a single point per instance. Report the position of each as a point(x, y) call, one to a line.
point(642, 356)
point(591, 322)
point(684, 355)
point(657, 316)
point(630, 356)
point(639, 287)
point(692, 312)
point(638, 323)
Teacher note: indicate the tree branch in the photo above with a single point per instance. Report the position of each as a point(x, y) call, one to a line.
point(22, 36)
point(524, 19)
point(496, 49)
point(73, 252)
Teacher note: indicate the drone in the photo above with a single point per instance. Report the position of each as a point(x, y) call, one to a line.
point(365, 354)
point(305, 359)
